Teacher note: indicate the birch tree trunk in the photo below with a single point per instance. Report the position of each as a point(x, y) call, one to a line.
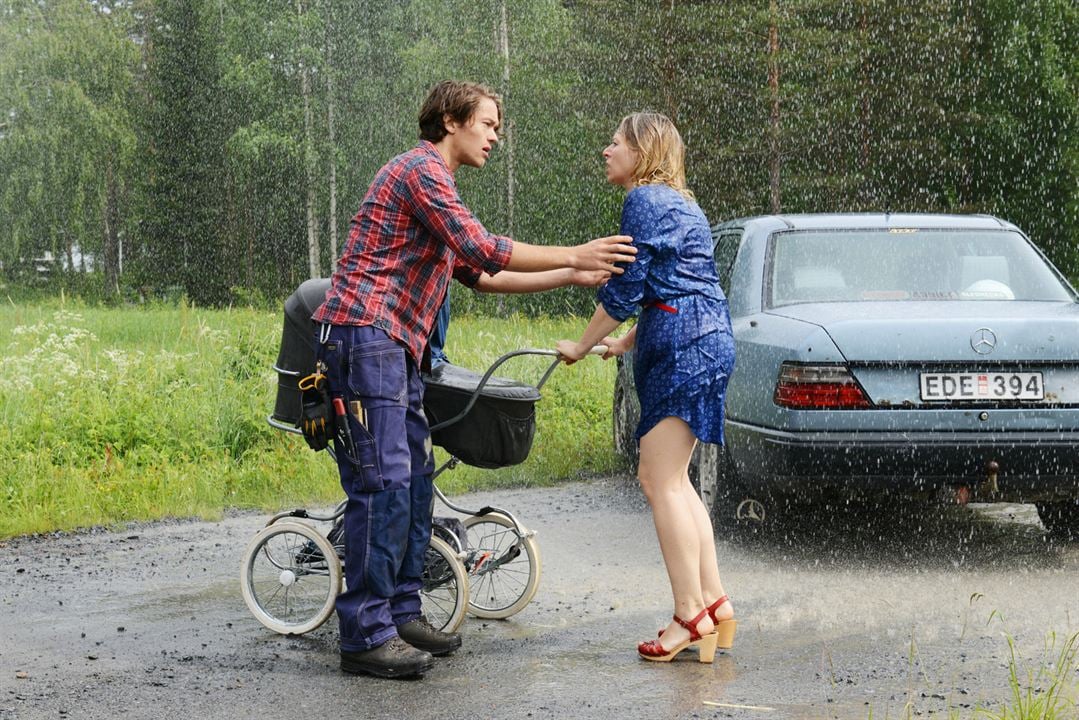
point(774, 158)
point(308, 162)
point(110, 251)
point(504, 48)
point(670, 88)
point(68, 253)
point(863, 108)
point(330, 101)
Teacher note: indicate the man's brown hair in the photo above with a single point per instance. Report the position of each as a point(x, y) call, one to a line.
point(458, 100)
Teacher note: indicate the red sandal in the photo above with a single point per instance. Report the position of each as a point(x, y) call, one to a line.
point(715, 607)
point(725, 628)
point(653, 650)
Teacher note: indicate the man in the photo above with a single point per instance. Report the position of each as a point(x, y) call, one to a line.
point(411, 234)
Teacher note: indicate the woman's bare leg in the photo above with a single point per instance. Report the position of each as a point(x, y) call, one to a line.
point(711, 587)
point(665, 453)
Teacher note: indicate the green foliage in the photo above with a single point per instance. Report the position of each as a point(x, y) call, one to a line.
point(169, 138)
point(184, 138)
point(113, 415)
point(1022, 151)
point(67, 138)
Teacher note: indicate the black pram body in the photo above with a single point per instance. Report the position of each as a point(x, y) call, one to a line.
point(497, 431)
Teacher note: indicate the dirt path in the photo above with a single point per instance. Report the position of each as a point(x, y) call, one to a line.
point(836, 621)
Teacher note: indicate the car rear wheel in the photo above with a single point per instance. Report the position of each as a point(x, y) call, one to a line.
point(626, 414)
point(1060, 518)
point(715, 477)
point(704, 472)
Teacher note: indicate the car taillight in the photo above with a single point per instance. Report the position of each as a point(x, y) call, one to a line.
point(818, 387)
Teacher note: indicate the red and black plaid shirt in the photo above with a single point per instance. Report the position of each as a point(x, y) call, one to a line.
point(411, 235)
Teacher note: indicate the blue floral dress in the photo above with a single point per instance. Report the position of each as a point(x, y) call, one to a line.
point(684, 353)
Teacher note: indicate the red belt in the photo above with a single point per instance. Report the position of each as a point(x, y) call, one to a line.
point(661, 306)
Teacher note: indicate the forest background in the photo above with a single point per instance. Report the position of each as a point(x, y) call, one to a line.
point(216, 150)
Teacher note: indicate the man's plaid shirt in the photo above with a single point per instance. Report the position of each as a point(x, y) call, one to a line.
point(411, 235)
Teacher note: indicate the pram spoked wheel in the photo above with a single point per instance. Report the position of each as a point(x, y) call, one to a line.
point(290, 577)
point(290, 587)
point(503, 566)
point(445, 586)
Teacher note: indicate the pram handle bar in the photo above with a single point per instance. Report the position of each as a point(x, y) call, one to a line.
point(282, 426)
point(597, 350)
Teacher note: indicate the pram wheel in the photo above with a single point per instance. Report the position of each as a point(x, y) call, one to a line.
point(445, 586)
point(290, 577)
point(503, 566)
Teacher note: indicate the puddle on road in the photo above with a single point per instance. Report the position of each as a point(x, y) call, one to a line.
point(905, 536)
point(222, 597)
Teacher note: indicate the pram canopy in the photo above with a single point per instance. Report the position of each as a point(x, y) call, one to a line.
point(497, 431)
point(299, 346)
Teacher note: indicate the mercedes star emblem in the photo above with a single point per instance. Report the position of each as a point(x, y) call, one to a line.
point(983, 341)
point(750, 509)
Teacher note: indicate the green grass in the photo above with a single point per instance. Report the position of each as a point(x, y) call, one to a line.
point(1046, 691)
point(111, 415)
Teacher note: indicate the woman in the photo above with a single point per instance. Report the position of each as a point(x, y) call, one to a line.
point(684, 354)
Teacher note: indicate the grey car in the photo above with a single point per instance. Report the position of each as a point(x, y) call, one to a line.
point(891, 353)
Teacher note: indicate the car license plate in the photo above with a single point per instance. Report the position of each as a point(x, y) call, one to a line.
point(982, 386)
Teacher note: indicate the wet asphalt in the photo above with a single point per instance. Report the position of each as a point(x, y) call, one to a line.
point(847, 612)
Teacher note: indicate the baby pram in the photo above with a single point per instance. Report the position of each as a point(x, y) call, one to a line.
point(487, 563)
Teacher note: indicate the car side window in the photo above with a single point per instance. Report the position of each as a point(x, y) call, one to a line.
point(726, 250)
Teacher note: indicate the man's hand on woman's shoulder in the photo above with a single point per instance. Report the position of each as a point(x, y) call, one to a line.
point(603, 254)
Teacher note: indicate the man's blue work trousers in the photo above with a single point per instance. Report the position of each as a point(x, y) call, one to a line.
point(386, 474)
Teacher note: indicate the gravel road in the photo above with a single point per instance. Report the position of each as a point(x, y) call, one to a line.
point(842, 614)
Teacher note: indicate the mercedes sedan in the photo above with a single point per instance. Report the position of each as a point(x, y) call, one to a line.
point(924, 355)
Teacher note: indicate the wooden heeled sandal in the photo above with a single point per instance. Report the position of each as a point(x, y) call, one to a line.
point(725, 628)
point(653, 650)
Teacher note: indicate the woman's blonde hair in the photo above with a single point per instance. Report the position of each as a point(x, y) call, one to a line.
point(661, 156)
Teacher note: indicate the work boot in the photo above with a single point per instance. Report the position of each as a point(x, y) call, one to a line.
point(421, 634)
point(392, 659)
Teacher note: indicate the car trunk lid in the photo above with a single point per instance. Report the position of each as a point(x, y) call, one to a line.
point(1011, 332)
point(890, 346)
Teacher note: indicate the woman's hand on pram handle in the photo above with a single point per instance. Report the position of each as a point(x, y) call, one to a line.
point(616, 346)
point(570, 351)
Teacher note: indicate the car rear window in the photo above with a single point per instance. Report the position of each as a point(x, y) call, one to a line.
point(908, 264)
